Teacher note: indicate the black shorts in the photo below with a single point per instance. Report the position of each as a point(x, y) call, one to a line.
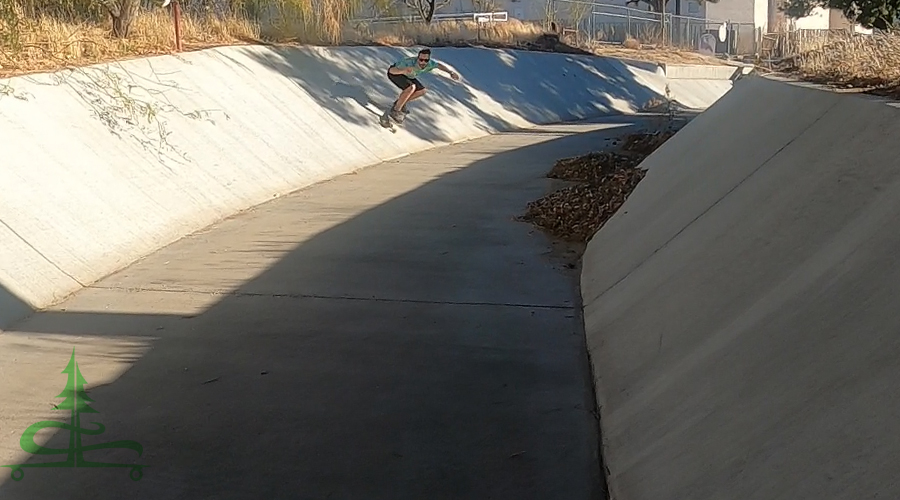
point(403, 81)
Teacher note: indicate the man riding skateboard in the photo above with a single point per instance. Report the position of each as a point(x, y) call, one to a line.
point(403, 74)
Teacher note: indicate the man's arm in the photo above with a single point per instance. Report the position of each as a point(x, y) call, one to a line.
point(401, 67)
point(395, 70)
point(445, 69)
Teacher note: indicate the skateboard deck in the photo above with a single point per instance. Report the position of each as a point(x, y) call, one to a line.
point(388, 122)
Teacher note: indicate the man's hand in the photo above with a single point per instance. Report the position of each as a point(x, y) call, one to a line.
point(453, 74)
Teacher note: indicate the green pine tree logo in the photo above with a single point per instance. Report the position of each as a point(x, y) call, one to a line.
point(76, 402)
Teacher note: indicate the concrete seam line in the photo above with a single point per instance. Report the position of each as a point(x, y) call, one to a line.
point(714, 204)
point(330, 297)
point(54, 264)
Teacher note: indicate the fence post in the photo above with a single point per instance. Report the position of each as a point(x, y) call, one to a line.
point(176, 16)
point(662, 25)
point(628, 23)
point(688, 35)
point(593, 31)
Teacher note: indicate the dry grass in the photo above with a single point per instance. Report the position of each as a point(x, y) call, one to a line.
point(654, 54)
point(48, 44)
point(631, 43)
point(512, 32)
point(517, 34)
point(851, 61)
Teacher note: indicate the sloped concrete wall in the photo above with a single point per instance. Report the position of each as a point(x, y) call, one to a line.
point(741, 306)
point(103, 165)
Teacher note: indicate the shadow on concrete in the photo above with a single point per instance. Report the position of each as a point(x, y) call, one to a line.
point(651, 121)
point(12, 307)
point(564, 87)
point(343, 372)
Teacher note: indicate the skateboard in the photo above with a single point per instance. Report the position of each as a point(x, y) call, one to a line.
point(388, 122)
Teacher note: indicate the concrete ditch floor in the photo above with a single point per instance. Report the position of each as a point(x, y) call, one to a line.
point(391, 334)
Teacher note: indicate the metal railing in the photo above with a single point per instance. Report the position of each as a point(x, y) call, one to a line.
point(600, 22)
point(481, 17)
point(443, 25)
point(591, 21)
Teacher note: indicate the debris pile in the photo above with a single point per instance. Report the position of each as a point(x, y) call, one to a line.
point(604, 180)
point(592, 168)
point(550, 42)
point(576, 212)
point(646, 143)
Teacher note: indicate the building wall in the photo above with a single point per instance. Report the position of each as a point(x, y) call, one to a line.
point(761, 14)
point(736, 11)
point(838, 21)
point(689, 8)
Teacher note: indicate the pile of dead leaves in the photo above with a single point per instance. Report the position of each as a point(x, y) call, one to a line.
point(646, 143)
point(604, 180)
point(593, 168)
point(575, 213)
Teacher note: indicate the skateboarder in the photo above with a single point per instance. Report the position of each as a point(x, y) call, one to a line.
point(403, 74)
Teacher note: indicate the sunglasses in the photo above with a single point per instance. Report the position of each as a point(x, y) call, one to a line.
point(423, 60)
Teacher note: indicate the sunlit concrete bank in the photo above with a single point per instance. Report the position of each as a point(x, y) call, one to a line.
point(741, 307)
point(101, 166)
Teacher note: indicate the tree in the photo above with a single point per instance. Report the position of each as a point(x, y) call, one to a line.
point(578, 12)
point(122, 13)
point(879, 14)
point(76, 399)
point(9, 25)
point(426, 8)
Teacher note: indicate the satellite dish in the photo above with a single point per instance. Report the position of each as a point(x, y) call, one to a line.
point(721, 32)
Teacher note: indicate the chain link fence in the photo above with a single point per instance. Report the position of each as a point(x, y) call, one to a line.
point(790, 43)
point(483, 27)
point(219, 8)
point(599, 22)
point(481, 17)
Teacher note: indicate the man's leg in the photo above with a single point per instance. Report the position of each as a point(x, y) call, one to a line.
point(407, 87)
point(404, 97)
point(415, 95)
point(418, 91)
